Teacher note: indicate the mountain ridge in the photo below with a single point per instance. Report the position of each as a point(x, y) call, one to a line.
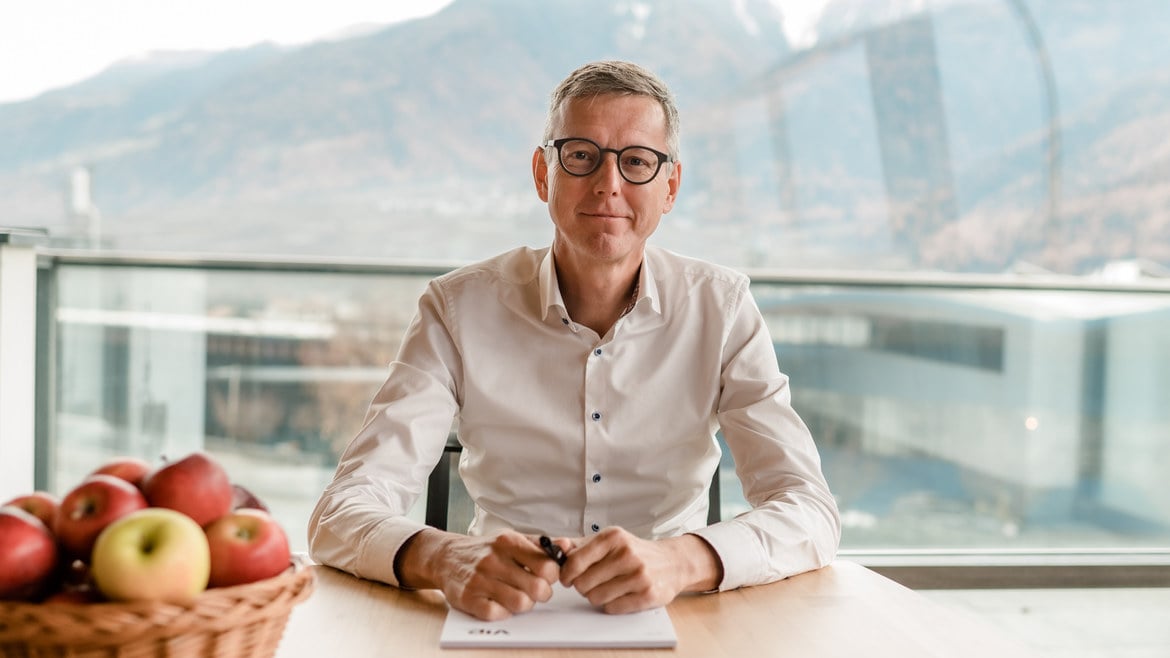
point(424, 130)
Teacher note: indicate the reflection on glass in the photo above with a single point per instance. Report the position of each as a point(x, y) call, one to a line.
point(945, 418)
point(1022, 419)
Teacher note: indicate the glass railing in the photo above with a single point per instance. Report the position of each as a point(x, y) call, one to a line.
point(959, 416)
point(952, 414)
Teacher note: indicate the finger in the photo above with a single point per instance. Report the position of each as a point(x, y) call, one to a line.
point(583, 556)
point(521, 564)
point(623, 581)
point(599, 562)
point(483, 593)
point(482, 608)
point(535, 577)
point(567, 545)
point(633, 602)
point(610, 581)
point(543, 570)
point(513, 599)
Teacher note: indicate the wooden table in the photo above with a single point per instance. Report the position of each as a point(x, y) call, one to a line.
point(842, 610)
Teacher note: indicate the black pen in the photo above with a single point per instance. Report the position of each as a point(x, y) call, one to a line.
point(554, 552)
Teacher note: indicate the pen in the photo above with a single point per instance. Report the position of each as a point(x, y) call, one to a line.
point(554, 552)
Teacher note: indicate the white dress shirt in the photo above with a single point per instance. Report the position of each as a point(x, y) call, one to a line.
point(565, 432)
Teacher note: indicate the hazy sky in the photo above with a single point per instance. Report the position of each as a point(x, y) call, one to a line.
point(46, 44)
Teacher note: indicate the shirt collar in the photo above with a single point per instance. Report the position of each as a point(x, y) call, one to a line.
point(550, 290)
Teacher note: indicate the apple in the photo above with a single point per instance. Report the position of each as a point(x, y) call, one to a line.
point(153, 554)
point(196, 485)
point(92, 505)
point(40, 504)
point(130, 469)
point(242, 498)
point(78, 596)
point(246, 545)
point(28, 554)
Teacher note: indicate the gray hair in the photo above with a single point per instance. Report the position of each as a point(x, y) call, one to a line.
point(615, 77)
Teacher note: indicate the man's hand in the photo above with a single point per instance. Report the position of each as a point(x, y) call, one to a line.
point(623, 573)
point(487, 577)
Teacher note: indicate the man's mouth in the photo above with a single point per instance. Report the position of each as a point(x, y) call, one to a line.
point(603, 215)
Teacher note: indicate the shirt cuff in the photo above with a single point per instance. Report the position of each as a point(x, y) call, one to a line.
point(379, 549)
point(738, 549)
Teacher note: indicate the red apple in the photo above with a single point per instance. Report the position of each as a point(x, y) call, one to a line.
point(130, 469)
point(72, 584)
point(246, 545)
point(242, 498)
point(154, 554)
point(92, 505)
point(196, 485)
point(40, 504)
point(81, 595)
point(28, 554)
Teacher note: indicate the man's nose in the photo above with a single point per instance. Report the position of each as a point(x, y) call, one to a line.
point(608, 177)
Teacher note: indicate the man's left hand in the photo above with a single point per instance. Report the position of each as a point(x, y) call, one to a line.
point(622, 573)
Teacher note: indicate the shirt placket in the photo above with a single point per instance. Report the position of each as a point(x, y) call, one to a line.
point(597, 423)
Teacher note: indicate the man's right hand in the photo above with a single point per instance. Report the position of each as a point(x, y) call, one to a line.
point(487, 577)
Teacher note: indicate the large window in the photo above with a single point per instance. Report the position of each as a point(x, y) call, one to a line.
point(953, 213)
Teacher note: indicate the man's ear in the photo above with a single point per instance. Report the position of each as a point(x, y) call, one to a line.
point(672, 185)
point(540, 174)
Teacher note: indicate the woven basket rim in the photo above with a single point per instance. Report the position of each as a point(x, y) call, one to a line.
point(110, 623)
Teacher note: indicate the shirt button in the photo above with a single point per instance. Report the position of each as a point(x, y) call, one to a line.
point(595, 528)
point(596, 415)
point(597, 351)
point(597, 477)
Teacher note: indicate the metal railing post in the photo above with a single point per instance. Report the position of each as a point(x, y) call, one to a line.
point(18, 306)
point(46, 377)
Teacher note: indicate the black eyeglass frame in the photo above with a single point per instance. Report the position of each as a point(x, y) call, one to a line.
point(558, 143)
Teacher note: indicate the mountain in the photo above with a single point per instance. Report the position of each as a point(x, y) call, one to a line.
point(414, 141)
point(365, 129)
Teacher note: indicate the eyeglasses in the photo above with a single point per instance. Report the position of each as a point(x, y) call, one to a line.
point(580, 157)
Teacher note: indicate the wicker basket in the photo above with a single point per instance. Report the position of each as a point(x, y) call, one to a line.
point(241, 621)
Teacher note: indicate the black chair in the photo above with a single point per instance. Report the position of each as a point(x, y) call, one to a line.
point(439, 489)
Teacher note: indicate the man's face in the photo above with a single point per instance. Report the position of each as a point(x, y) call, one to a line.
point(601, 217)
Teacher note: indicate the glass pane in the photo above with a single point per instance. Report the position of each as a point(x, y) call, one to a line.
point(270, 372)
point(946, 418)
point(984, 418)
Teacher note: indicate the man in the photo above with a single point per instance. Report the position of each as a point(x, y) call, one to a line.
point(589, 379)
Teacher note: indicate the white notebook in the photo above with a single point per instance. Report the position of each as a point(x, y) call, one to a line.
point(566, 620)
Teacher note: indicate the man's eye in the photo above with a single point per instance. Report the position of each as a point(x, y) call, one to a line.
point(580, 155)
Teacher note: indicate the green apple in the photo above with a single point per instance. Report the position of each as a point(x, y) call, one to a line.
point(154, 554)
